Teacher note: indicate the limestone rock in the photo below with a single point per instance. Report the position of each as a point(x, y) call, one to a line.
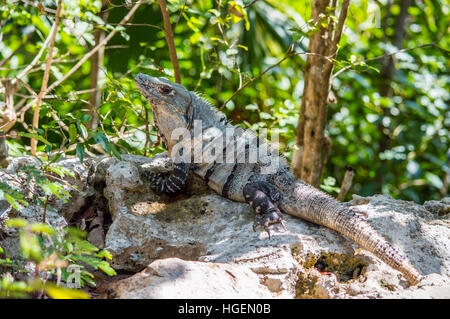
point(178, 279)
point(210, 235)
point(307, 261)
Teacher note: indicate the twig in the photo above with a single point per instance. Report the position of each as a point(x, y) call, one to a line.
point(97, 47)
point(288, 54)
point(15, 51)
point(9, 115)
point(169, 39)
point(45, 205)
point(33, 142)
point(383, 56)
point(250, 4)
point(147, 132)
point(337, 34)
point(138, 25)
point(346, 183)
point(36, 58)
point(65, 128)
point(179, 14)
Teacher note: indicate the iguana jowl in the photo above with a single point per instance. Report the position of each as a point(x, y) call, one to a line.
point(174, 107)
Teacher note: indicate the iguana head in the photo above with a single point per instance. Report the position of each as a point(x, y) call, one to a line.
point(171, 104)
point(174, 106)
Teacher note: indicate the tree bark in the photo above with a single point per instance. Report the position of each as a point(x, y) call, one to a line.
point(387, 75)
point(312, 147)
point(8, 118)
point(8, 114)
point(97, 76)
point(53, 32)
point(169, 39)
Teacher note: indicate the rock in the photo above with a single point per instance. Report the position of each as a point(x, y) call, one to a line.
point(307, 261)
point(58, 212)
point(438, 208)
point(210, 235)
point(179, 279)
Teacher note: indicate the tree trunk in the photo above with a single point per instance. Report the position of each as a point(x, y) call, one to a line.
point(312, 146)
point(387, 75)
point(97, 75)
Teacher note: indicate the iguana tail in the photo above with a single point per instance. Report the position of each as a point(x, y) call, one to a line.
point(304, 201)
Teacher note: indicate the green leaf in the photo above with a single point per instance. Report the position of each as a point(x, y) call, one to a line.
point(82, 129)
point(104, 254)
point(80, 152)
point(101, 139)
point(265, 116)
point(57, 292)
point(35, 136)
point(87, 277)
point(42, 228)
point(73, 132)
point(107, 269)
point(12, 201)
point(31, 248)
point(75, 233)
point(16, 222)
point(85, 118)
point(434, 180)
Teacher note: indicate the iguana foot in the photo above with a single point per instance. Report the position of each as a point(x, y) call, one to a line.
point(168, 183)
point(262, 197)
point(159, 182)
point(268, 219)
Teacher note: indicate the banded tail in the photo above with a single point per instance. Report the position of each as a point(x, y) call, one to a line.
point(302, 200)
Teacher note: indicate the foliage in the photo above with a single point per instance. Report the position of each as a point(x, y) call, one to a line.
point(49, 255)
point(40, 183)
point(223, 44)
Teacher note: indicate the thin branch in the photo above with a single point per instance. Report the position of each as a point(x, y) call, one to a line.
point(97, 47)
point(288, 54)
point(96, 76)
point(15, 51)
point(348, 67)
point(346, 183)
point(65, 128)
point(45, 77)
point(9, 115)
point(250, 4)
point(169, 39)
point(138, 25)
point(340, 26)
point(36, 58)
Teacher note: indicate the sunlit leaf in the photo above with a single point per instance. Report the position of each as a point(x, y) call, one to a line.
point(16, 222)
point(57, 292)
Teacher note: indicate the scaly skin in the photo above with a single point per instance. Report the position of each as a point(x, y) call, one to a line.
point(175, 107)
point(302, 200)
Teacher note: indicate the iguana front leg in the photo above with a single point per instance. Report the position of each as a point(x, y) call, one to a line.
point(262, 196)
point(169, 183)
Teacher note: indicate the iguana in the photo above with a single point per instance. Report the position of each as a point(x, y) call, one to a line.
point(175, 109)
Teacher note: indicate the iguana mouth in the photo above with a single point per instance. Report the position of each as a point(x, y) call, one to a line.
point(144, 84)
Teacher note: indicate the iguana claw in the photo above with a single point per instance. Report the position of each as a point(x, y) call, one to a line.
point(268, 219)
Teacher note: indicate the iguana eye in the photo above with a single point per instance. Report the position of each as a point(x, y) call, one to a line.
point(165, 89)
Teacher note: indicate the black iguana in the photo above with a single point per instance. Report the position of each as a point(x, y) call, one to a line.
point(175, 110)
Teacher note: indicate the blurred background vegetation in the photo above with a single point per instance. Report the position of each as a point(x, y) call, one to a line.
point(395, 138)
